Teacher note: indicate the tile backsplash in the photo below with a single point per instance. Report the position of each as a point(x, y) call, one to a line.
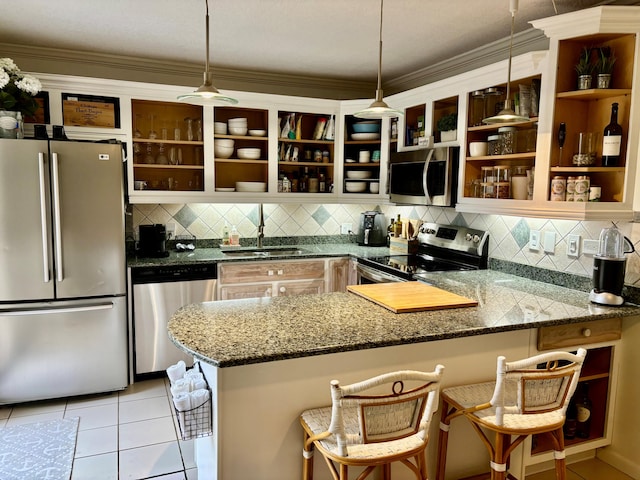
point(509, 236)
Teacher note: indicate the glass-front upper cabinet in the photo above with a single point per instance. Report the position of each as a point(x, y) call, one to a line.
point(167, 146)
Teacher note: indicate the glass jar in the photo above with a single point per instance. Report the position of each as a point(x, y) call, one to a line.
point(519, 183)
point(493, 145)
point(487, 190)
point(503, 189)
point(477, 108)
point(507, 139)
point(558, 189)
point(502, 173)
point(494, 101)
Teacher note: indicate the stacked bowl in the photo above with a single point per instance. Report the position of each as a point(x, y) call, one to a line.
point(223, 147)
point(237, 126)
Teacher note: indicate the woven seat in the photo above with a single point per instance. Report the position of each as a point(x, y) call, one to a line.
point(529, 396)
point(373, 423)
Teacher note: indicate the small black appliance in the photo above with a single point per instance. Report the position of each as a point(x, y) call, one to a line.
point(609, 266)
point(372, 231)
point(153, 241)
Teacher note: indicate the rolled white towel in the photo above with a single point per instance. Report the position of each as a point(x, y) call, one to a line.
point(199, 397)
point(199, 384)
point(182, 385)
point(182, 401)
point(193, 375)
point(177, 371)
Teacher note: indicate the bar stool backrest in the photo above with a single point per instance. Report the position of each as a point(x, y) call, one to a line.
point(545, 383)
point(396, 414)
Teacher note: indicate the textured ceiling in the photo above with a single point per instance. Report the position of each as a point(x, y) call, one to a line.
point(321, 38)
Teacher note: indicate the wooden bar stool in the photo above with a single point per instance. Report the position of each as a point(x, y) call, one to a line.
point(529, 397)
point(369, 426)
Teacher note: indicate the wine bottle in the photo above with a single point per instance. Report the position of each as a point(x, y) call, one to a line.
point(571, 421)
point(611, 140)
point(583, 412)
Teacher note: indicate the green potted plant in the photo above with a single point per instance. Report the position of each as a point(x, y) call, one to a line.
point(447, 126)
point(604, 66)
point(584, 68)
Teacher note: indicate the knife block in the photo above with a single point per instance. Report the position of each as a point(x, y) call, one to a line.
point(402, 245)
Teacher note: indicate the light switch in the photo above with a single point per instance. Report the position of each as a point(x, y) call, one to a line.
point(573, 246)
point(534, 240)
point(549, 242)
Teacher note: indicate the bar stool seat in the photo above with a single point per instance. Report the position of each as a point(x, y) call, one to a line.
point(369, 426)
point(529, 396)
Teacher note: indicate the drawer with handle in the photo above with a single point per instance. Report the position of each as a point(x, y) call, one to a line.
point(577, 334)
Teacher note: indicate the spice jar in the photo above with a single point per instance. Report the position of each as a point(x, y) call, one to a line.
point(488, 180)
point(502, 173)
point(571, 189)
point(503, 189)
point(487, 190)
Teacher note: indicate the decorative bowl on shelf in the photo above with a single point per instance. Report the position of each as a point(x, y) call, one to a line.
point(222, 152)
point(257, 132)
point(224, 142)
point(359, 174)
point(366, 127)
point(249, 153)
point(365, 136)
point(355, 187)
point(220, 128)
point(251, 187)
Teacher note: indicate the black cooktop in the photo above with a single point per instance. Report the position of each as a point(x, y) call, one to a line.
point(408, 265)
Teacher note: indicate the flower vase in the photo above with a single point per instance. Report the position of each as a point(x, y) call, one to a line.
point(10, 124)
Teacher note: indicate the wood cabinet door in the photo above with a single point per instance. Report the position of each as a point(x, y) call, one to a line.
point(301, 287)
point(338, 275)
point(235, 292)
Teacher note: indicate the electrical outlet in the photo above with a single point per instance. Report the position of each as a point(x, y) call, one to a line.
point(171, 230)
point(549, 242)
point(590, 247)
point(534, 240)
point(345, 228)
point(573, 246)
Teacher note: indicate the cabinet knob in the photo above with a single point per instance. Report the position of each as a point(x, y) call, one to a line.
point(268, 292)
point(586, 332)
point(270, 273)
point(280, 272)
point(283, 289)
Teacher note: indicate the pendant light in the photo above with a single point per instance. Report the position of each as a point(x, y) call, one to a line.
point(206, 94)
point(379, 109)
point(507, 115)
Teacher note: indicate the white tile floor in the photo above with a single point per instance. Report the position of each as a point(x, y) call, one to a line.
point(124, 435)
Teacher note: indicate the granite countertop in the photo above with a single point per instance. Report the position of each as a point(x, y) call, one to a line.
point(240, 332)
point(216, 255)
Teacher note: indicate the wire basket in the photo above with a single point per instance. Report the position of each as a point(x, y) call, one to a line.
point(197, 421)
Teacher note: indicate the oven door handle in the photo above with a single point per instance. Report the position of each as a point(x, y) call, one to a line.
point(376, 275)
point(425, 175)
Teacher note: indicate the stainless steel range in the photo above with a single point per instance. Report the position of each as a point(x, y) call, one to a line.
point(441, 248)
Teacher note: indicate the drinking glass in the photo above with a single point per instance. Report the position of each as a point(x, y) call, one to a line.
point(152, 133)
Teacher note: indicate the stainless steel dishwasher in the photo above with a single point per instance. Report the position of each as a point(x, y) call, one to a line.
point(157, 292)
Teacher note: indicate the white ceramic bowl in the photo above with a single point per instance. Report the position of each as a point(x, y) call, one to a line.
point(478, 149)
point(374, 187)
point(220, 128)
point(358, 174)
point(224, 142)
point(249, 153)
point(237, 130)
point(251, 187)
point(257, 133)
point(222, 152)
point(237, 122)
point(355, 187)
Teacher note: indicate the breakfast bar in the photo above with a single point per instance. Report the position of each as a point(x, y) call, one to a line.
point(267, 359)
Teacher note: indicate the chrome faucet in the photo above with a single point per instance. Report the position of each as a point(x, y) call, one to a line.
point(260, 226)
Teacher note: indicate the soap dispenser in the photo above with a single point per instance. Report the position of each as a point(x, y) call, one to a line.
point(234, 238)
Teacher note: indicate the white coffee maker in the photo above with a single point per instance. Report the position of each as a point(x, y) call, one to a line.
point(609, 266)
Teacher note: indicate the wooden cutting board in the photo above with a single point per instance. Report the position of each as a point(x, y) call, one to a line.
point(402, 297)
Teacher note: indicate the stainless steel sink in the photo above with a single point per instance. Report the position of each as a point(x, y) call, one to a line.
point(265, 252)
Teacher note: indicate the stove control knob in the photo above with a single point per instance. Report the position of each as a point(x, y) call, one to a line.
point(468, 237)
point(430, 231)
point(476, 238)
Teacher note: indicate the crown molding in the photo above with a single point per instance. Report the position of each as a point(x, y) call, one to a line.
point(134, 69)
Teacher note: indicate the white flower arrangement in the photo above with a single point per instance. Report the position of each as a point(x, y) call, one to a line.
point(17, 89)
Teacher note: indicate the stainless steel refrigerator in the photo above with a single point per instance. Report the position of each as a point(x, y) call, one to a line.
point(63, 314)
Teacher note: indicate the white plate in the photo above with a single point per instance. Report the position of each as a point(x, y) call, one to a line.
point(359, 174)
point(365, 136)
point(350, 160)
point(223, 189)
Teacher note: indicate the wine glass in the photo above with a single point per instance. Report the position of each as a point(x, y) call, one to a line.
point(136, 134)
point(162, 158)
point(189, 122)
point(152, 133)
point(149, 158)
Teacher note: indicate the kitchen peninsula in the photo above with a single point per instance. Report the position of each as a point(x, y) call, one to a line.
point(268, 359)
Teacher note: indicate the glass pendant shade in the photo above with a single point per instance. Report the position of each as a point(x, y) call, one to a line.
point(206, 94)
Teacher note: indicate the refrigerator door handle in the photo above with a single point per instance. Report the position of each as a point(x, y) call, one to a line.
point(43, 217)
point(44, 311)
point(56, 216)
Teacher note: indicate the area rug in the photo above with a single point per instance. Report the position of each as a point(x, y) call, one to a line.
point(38, 451)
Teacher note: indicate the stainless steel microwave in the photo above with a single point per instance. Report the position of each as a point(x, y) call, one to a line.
point(424, 177)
